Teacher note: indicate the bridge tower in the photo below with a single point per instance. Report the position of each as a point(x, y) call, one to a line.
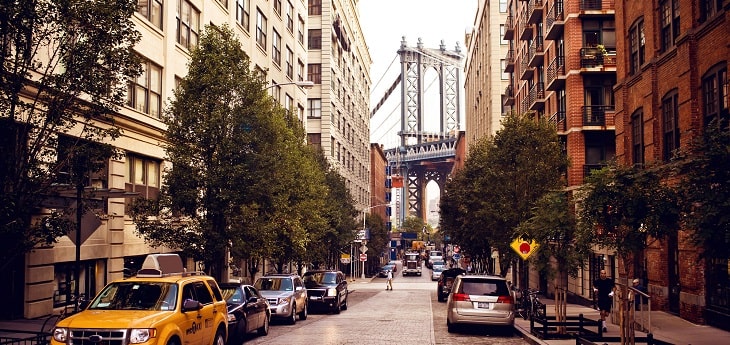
point(425, 156)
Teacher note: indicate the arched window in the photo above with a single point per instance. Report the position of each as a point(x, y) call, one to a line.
point(637, 43)
point(715, 95)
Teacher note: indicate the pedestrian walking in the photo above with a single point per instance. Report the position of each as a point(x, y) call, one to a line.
point(604, 288)
point(389, 282)
point(639, 299)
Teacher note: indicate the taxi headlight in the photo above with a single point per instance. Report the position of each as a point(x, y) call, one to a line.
point(60, 334)
point(331, 292)
point(141, 335)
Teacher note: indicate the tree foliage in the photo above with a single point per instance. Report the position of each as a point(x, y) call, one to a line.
point(503, 177)
point(63, 71)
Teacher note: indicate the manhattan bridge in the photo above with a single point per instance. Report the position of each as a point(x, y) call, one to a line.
point(420, 156)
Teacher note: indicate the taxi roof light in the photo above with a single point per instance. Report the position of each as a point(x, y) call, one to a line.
point(160, 265)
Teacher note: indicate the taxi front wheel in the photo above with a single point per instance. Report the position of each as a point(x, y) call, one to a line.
point(220, 338)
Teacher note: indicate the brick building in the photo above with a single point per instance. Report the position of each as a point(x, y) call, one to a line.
point(672, 81)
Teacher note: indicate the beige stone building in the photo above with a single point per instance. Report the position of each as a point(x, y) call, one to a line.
point(274, 35)
point(338, 117)
point(486, 80)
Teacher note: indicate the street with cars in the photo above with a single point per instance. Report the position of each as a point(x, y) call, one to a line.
point(409, 314)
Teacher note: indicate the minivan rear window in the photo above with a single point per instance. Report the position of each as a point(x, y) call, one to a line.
point(484, 287)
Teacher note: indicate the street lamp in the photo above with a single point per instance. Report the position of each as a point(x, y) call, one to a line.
point(306, 84)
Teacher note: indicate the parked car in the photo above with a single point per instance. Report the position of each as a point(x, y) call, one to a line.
point(326, 289)
point(384, 270)
point(286, 294)
point(445, 281)
point(439, 264)
point(479, 300)
point(248, 311)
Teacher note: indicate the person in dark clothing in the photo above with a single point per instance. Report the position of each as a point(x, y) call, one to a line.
point(603, 288)
point(638, 298)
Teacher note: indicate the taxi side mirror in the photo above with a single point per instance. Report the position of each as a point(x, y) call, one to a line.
point(190, 305)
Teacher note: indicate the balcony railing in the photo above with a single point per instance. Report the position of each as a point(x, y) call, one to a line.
point(537, 54)
point(537, 96)
point(555, 21)
point(509, 28)
point(534, 9)
point(596, 5)
point(555, 76)
point(525, 29)
point(509, 95)
point(526, 72)
point(595, 115)
point(558, 120)
point(510, 61)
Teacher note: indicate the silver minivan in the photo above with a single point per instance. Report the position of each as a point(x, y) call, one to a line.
point(480, 300)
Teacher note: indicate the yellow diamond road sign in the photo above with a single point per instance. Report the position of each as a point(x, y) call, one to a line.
point(523, 248)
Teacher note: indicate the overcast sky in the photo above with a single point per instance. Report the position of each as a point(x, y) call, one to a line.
point(385, 22)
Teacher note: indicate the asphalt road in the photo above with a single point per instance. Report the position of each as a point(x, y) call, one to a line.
point(410, 314)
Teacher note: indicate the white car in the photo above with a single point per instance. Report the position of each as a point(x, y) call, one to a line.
point(436, 272)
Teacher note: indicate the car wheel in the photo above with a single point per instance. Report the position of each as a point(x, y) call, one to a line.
point(450, 326)
point(344, 305)
point(337, 307)
point(264, 330)
point(293, 317)
point(303, 314)
point(220, 338)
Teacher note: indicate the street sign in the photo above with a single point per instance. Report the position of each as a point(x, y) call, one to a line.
point(363, 257)
point(345, 258)
point(456, 256)
point(363, 249)
point(523, 248)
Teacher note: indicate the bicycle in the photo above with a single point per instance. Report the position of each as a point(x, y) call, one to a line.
point(529, 305)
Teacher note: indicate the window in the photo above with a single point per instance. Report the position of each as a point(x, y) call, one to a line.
point(92, 170)
point(637, 137)
point(314, 73)
point(188, 24)
point(276, 48)
point(315, 107)
point(260, 29)
point(502, 6)
point(670, 124)
point(669, 16)
point(315, 39)
point(597, 32)
point(501, 35)
point(143, 177)
point(289, 16)
point(315, 7)
point(300, 33)
point(145, 92)
point(152, 10)
point(715, 95)
point(288, 102)
point(289, 63)
point(300, 70)
point(277, 7)
point(636, 46)
point(243, 13)
point(709, 8)
point(502, 67)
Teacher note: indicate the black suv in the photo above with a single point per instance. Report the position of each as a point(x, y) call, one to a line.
point(446, 280)
point(326, 289)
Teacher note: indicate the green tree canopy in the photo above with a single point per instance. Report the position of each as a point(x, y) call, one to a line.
point(63, 71)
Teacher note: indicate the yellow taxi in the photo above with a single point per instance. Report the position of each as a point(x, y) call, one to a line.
point(162, 304)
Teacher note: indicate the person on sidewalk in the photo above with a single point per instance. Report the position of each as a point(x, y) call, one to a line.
point(639, 299)
point(603, 288)
point(389, 281)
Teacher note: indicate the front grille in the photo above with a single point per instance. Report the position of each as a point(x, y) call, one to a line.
point(99, 337)
point(318, 293)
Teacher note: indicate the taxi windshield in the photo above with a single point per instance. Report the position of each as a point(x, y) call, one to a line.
point(136, 296)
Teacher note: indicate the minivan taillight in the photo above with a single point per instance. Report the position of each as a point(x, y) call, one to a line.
point(461, 297)
point(505, 299)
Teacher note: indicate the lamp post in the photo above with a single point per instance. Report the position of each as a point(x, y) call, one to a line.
point(363, 230)
point(306, 84)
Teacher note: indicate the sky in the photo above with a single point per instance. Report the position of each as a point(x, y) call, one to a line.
point(384, 23)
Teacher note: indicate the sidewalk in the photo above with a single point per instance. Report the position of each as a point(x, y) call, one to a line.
point(665, 327)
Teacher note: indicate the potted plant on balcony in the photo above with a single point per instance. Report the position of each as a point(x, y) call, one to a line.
point(606, 58)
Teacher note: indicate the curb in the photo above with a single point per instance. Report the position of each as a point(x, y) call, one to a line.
point(529, 337)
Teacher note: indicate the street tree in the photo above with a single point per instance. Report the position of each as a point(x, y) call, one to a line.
point(225, 140)
point(503, 177)
point(63, 71)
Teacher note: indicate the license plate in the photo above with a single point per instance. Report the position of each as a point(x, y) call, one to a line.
point(483, 305)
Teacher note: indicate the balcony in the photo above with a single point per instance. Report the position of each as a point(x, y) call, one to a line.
point(509, 66)
point(537, 96)
point(595, 115)
point(526, 71)
point(593, 57)
point(555, 21)
point(525, 29)
point(558, 120)
point(555, 75)
point(597, 7)
point(509, 28)
point(537, 53)
point(534, 10)
point(509, 96)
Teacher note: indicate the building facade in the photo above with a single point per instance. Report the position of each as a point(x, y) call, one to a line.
point(272, 32)
point(672, 82)
point(338, 105)
point(562, 64)
point(486, 81)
